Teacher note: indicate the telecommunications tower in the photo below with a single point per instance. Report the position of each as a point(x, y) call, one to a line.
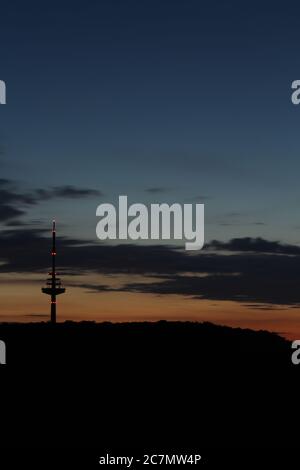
point(54, 286)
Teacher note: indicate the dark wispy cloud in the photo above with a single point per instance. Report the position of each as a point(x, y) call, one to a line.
point(68, 192)
point(245, 270)
point(157, 190)
point(200, 198)
point(92, 288)
point(240, 288)
point(8, 212)
point(14, 201)
point(256, 245)
point(10, 195)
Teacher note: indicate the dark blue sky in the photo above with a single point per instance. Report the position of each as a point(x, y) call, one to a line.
point(188, 96)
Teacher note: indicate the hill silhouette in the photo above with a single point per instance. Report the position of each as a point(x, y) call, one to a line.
point(88, 343)
point(166, 384)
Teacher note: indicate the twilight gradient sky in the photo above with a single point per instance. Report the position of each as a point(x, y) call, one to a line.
point(165, 101)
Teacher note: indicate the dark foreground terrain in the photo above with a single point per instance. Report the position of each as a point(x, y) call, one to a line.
point(147, 385)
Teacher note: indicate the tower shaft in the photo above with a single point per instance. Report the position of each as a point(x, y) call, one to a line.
point(53, 309)
point(53, 255)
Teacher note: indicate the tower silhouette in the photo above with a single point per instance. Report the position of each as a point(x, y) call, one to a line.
point(54, 286)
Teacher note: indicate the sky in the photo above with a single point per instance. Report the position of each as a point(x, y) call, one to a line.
point(164, 101)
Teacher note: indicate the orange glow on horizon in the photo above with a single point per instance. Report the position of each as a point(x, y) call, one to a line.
point(23, 302)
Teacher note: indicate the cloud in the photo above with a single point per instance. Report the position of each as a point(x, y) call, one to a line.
point(67, 192)
point(256, 245)
point(156, 190)
point(92, 288)
point(200, 198)
point(14, 201)
point(4, 181)
point(8, 212)
point(9, 194)
point(244, 270)
point(28, 250)
point(240, 288)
